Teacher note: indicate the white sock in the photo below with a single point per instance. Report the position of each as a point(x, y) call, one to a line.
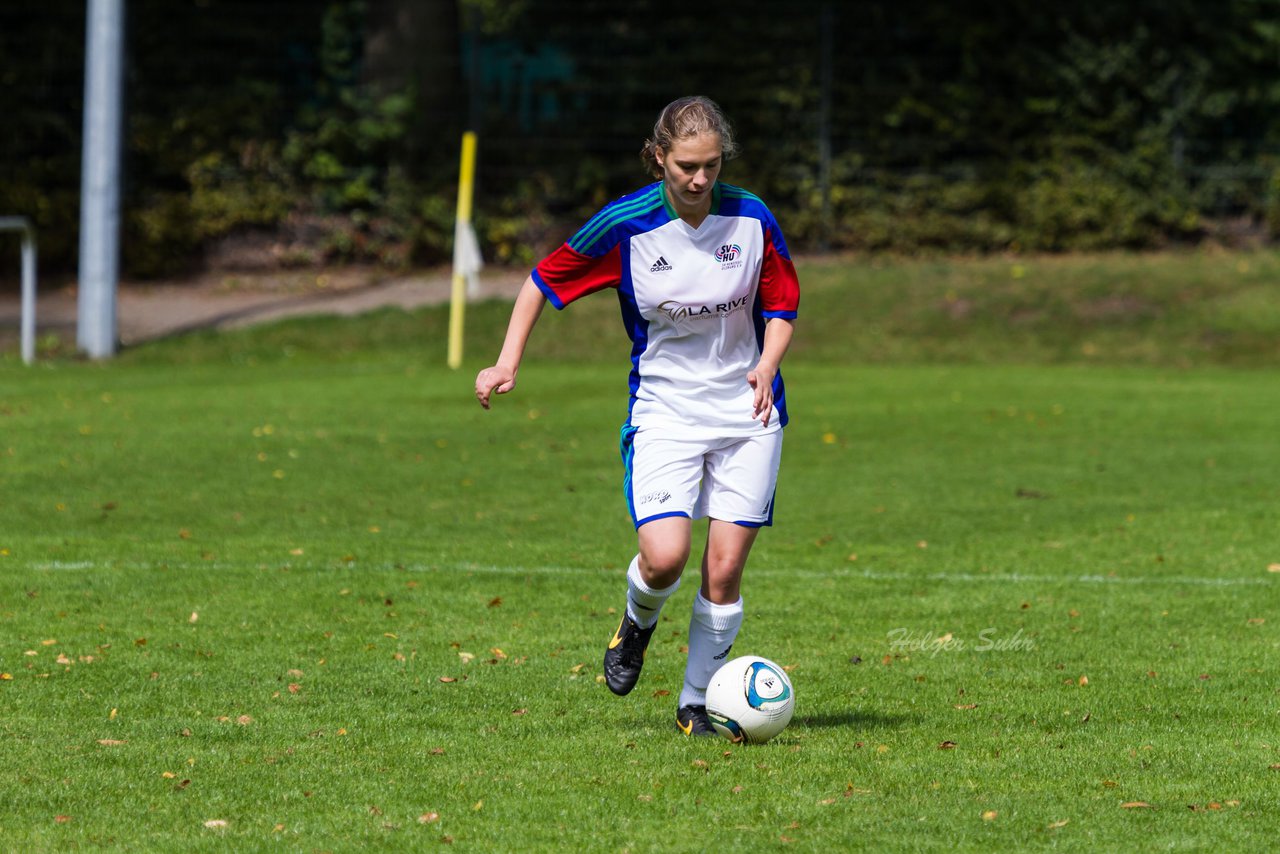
point(643, 602)
point(712, 631)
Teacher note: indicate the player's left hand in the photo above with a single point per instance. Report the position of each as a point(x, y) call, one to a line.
point(761, 380)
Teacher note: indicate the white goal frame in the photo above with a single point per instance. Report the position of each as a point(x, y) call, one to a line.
point(22, 224)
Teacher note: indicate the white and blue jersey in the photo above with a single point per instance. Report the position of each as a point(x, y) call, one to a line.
point(694, 302)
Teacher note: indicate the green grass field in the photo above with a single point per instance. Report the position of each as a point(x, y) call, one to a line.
point(291, 588)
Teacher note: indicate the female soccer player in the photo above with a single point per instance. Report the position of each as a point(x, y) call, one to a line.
point(708, 295)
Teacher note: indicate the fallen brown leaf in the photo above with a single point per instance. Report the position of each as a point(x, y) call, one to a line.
point(111, 742)
point(1058, 824)
point(947, 745)
point(61, 819)
point(990, 815)
point(428, 817)
point(1129, 805)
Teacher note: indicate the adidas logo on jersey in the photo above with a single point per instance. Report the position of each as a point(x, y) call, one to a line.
point(660, 266)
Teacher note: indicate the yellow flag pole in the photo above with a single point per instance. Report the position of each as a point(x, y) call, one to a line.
point(458, 302)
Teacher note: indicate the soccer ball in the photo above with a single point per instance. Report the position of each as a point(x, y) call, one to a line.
point(750, 699)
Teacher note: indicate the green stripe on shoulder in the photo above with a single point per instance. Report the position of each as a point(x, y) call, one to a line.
point(611, 216)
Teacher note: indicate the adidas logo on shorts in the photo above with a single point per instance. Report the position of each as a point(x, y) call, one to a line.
point(660, 266)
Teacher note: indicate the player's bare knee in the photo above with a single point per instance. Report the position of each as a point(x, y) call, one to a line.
point(661, 566)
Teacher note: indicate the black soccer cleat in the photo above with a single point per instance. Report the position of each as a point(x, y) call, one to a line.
point(693, 720)
point(625, 655)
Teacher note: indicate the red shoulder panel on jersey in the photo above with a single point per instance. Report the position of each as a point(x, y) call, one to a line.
point(779, 284)
point(566, 274)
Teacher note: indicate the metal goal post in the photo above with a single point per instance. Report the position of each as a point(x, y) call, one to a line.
point(22, 224)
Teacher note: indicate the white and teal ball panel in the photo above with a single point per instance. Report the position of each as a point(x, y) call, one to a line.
point(750, 699)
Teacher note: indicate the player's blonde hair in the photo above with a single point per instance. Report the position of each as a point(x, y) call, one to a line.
point(685, 118)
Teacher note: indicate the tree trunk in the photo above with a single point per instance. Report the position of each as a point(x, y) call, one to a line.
point(413, 46)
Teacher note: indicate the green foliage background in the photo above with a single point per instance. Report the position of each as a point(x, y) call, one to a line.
point(951, 126)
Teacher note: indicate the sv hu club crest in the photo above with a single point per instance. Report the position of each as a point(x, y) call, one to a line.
point(728, 252)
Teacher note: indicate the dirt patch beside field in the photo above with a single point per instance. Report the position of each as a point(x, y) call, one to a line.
point(146, 311)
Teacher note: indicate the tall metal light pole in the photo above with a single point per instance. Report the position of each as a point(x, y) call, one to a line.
point(100, 177)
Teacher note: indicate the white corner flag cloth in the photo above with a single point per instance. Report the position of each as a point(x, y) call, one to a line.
point(467, 260)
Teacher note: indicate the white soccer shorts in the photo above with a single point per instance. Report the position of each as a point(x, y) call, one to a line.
point(731, 479)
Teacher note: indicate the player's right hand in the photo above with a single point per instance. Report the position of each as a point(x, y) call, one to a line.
point(495, 379)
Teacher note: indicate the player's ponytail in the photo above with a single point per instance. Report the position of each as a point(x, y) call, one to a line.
point(684, 118)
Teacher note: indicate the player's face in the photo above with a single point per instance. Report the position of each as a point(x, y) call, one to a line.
point(689, 170)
